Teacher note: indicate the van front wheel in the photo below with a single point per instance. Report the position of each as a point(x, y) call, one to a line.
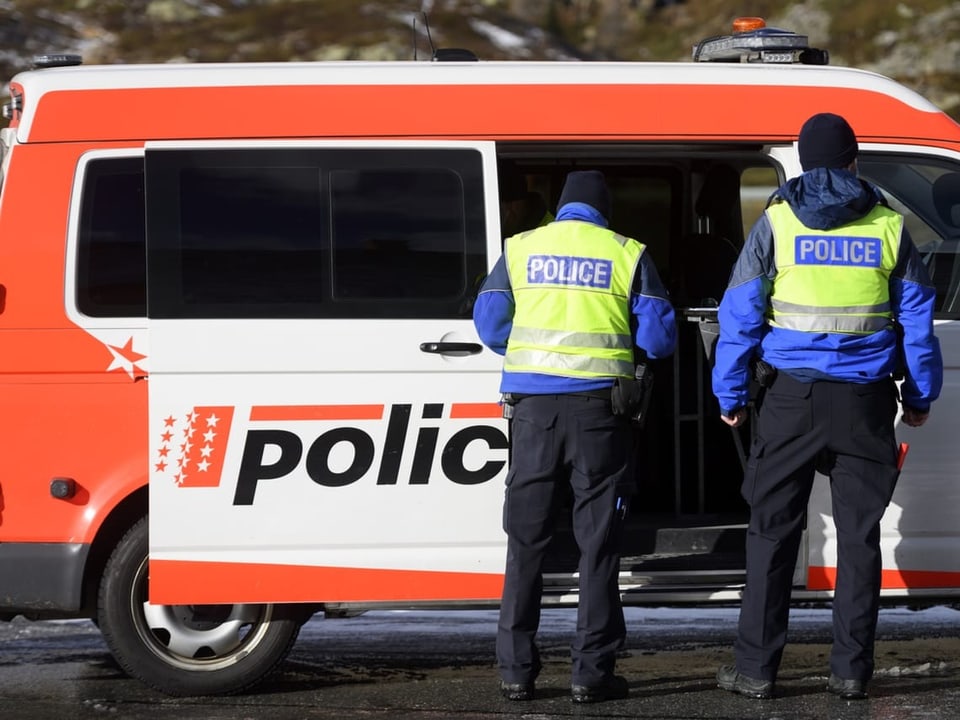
point(187, 650)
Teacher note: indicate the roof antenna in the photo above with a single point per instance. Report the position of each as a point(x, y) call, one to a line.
point(426, 25)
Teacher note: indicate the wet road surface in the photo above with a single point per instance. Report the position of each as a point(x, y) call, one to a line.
point(432, 665)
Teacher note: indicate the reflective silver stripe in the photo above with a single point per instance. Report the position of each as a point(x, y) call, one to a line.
point(567, 362)
point(833, 323)
point(788, 307)
point(565, 338)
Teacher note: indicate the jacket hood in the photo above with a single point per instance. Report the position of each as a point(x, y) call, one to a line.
point(823, 198)
point(581, 211)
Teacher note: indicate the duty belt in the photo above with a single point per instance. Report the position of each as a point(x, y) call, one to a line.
point(601, 394)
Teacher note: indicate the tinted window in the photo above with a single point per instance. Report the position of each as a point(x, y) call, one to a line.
point(315, 233)
point(245, 235)
point(412, 246)
point(111, 261)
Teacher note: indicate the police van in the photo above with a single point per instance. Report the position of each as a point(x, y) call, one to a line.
point(240, 382)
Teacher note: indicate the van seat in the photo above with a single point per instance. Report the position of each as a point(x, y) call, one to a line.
point(708, 255)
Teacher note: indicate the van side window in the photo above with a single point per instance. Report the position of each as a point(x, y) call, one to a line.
point(326, 233)
point(397, 233)
point(927, 192)
point(111, 254)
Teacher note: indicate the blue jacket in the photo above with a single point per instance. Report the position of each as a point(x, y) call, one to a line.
point(824, 199)
point(656, 332)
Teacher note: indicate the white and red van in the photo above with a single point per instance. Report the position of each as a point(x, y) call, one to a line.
point(239, 379)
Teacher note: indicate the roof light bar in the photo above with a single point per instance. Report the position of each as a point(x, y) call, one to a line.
point(753, 42)
point(56, 60)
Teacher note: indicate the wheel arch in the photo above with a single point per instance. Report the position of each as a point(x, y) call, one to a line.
point(120, 519)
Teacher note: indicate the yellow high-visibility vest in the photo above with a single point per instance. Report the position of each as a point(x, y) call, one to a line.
point(835, 281)
point(571, 284)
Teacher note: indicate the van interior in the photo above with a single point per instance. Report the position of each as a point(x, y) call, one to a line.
point(692, 208)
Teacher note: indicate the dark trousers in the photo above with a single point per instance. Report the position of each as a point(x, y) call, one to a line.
point(557, 440)
point(847, 432)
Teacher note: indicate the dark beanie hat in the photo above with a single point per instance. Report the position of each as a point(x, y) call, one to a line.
point(826, 141)
point(587, 186)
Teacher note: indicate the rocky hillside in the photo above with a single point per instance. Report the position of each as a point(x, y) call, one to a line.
point(917, 43)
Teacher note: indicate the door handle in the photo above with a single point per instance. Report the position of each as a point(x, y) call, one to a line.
point(451, 348)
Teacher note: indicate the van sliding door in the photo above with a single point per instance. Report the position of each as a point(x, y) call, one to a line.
point(324, 423)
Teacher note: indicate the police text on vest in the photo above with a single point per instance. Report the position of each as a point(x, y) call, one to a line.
point(837, 250)
point(569, 270)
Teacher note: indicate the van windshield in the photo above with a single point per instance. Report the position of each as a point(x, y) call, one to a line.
point(926, 191)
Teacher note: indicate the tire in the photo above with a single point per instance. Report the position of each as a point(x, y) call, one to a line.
point(185, 650)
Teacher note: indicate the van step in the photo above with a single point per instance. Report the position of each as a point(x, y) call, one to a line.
point(693, 539)
point(667, 569)
point(649, 546)
point(683, 563)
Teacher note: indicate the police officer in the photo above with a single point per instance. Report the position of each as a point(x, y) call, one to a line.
point(559, 305)
point(824, 279)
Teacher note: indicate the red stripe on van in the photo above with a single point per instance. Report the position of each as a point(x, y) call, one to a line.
point(825, 578)
point(316, 412)
point(179, 582)
point(537, 111)
point(461, 411)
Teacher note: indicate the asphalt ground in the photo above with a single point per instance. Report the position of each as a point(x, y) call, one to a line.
point(431, 665)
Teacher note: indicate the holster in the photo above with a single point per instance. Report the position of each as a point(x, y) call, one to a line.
point(631, 397)
point(764, 373)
